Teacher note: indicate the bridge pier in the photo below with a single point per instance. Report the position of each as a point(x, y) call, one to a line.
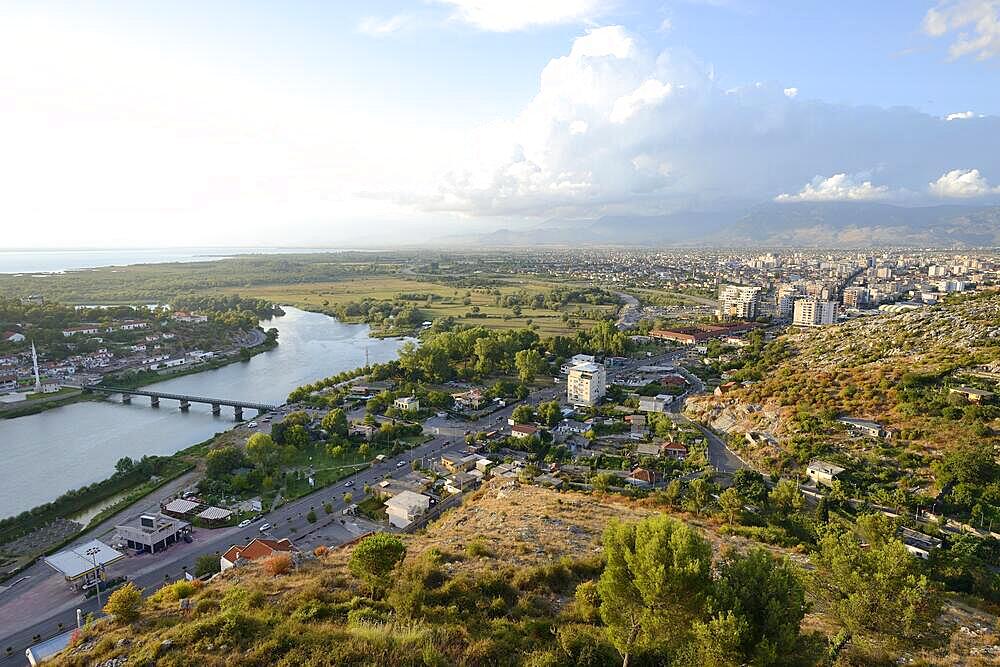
point(154, 401)
point(126, 399)
point(185, 405)
point(216, 409)
point(239, 413)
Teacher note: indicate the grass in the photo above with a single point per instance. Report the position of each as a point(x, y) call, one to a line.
point(325, 296)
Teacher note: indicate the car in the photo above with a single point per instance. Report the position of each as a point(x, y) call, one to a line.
point(252, 425)
point(401, 464)
point(264, 527)
point(244, 523)
point(349, 484)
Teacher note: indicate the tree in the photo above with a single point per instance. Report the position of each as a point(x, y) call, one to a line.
point(348, 498)
point(124, 465)
point(523, 414)
point(699, 495)
point(335, 422)
point(262, 451)
point(751, 485)
point(297, 437)
point(822, 510)
point(654, 583)
point(375, 557)
point(528, 363)
point(671, 495)
point(311, 516)
point(206, 565)
point(222, 461)
point(731, 503)
point(786, 496)
point(549, 413)
point(878, 588)
point(765, 601)
point(124, 604)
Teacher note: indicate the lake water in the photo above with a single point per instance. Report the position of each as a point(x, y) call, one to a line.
point(49, 261)
point(46, 454)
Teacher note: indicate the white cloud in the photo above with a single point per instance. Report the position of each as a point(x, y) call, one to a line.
point(511, 15)
point(666, 25)
point(649, 94)
point(977, 23)
point(960, 115)
point(791, 92)
point(379, 27)
point(839, 187)
point(962, 184)
point(578, 127)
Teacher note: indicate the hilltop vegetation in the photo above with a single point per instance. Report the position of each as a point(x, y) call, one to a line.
point(525, 576)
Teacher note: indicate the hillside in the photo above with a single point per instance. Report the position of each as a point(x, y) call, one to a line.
point(896, 370)
point(500, 580)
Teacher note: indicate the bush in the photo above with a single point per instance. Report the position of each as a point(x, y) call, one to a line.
point(478, 548)
point(311, 517)
point(124, 604)
point(206, 565)
point(278, 564)
point(321, 551)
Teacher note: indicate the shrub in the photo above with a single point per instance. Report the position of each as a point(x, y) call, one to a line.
point(206, 565)
point(124, 604)
point(321, 551)
point(278, 564)
point(311, 517)
point(478, 548)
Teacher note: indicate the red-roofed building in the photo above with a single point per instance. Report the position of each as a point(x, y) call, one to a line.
point(645, 476)
point(674, 450)
point(523, 430)
point(257, 549)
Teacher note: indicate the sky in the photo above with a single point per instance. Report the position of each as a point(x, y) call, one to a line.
point(128, 124)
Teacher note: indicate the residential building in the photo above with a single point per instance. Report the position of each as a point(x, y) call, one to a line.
point(855, 297)
point(674, 450)
point(974, 395)
point(468, 400)
point(366, 431)
point(13, 337)
point(737, 301)
point(813, 313)
point(576, 359)
point(658, 403)
point(863, 426)
point(523, 430)
point(257, 549)
point(644, 477)
point(155, 532)
point(822, 472)
point(586, 384)
point(406, 404)
point(406, 507)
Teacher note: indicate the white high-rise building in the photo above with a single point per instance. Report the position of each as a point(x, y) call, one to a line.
point(738, 301)
point(814, 313)
point(786, 296)
point(586, 383)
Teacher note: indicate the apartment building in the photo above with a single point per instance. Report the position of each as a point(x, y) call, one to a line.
point(586, 383)
point(855, 297)
point(738, 301)
point(814, 313)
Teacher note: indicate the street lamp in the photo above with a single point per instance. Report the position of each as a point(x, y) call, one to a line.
point(92, 552)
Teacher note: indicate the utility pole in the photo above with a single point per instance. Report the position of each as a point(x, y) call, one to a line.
point(92, 552)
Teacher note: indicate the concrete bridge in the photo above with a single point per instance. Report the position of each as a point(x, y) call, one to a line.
point(185, 400)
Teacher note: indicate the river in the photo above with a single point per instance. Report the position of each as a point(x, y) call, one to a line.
point(65, 448)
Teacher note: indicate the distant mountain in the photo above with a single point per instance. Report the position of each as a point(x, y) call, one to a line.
point(816, 224)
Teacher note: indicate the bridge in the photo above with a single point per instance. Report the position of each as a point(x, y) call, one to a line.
point(185, 400)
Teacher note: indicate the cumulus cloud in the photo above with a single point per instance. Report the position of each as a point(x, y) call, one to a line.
point(960, 115)
point(962, 184)
point(616, 128)
point(839, 187)
point(977, 23)
point(511, 15)
point(791, 92)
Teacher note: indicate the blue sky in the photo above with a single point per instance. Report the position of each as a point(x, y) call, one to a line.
point(305, 122)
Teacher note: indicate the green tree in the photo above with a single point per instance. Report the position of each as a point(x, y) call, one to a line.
point(124, 465)
point(523, 414)
point(220, 462)
point(878, 588)
point(549, 413)
point(348, 498)
point(699, 495)
point(654, 583)
point(297, 437)
point(786, 497)
point(335, 422)
point(751, 485)
point(374, 558)
point(528, 363)
point(206, 564)
point(731, 503)
point(124, 604)
point(262, 451)
point(311, 517)
point(673, 493)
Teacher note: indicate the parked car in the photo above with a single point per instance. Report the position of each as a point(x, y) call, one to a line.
point(252, 425)
point(244, 523)
point(264, 527)
point(349, 483)
point(400, 464)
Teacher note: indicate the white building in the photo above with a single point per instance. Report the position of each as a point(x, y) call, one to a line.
point(406, 507)
point(586, 384)
point(656, 403)
point(822, 472)
point(738, 301)
point(574, 360)
point(814, 313)
point(406, 403)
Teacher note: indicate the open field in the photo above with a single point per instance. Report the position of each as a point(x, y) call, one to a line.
point(447, 301)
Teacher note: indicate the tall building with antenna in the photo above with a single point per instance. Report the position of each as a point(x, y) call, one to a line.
point(34, 362)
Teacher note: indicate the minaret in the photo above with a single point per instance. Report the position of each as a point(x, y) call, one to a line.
point(34, 361)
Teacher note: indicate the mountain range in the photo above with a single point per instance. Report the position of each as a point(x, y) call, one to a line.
point(787, 224)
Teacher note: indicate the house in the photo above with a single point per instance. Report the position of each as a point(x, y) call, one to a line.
point(406, 507)
point(406, 404)
point(918, 544)
point(366, 431)
point(132, 325)
point(8, 383)
point(257, 549)
point(13, 337)
point(864, 426)
point(90, 329)
point(637, 423)
point(726, 388)
point(460, 481)
point(672, 380)
point(456, 463)
point(822, 472)
point(185, 316)
point(656, 403)
point(548, 480)
point(674, 450)
point(468, 400)
point(647, 449)
point(972, 394)
point(523, 430)
point(643, 476)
